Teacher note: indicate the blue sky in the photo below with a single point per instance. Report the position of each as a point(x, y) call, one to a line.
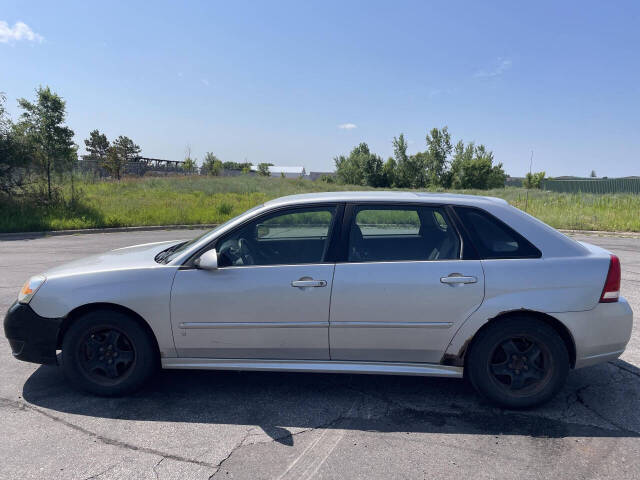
point(276, 81)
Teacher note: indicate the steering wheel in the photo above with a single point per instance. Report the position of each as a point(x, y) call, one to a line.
point(245, 253)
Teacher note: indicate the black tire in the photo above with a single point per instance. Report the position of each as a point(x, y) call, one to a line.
point(108, 353)
point(518, 362)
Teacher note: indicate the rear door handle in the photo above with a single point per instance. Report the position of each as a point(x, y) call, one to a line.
point(454, 279)
point(308, 283)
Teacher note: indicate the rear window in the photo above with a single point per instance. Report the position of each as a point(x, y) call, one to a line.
point(492, 238)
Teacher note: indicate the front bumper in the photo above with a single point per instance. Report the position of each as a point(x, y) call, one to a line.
point(32, 338)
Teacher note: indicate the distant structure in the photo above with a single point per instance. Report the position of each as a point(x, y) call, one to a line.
point(140, 166)
point(159, 166)
point(279, 171)
point(318, 175)
point(513, 181)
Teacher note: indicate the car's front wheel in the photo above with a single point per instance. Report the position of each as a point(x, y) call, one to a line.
point(107, 353)
point(518, 362)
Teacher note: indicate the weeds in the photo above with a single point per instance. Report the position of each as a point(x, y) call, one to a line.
point(199, 199)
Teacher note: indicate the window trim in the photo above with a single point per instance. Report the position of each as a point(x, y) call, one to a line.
point(337, 217)
point(350, 217)
point(519, 237)
point(468, 250)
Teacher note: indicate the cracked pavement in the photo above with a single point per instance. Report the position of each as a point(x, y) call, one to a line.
point(238, 425)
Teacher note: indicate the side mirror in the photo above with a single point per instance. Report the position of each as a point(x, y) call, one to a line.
point(208, 260)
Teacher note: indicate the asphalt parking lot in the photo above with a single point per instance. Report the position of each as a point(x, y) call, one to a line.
point(300, 426)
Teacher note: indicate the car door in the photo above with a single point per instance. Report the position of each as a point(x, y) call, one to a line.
point(268, 299)
point(403, 288)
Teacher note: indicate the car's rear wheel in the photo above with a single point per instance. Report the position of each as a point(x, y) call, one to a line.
point(108, 353)
point(518, 362)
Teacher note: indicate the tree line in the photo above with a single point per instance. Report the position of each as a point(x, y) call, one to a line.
point(441, 165)
point(38, 150)
point(39, 145)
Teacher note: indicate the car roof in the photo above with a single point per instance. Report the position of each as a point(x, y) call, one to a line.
point(548, 240)
point(551, 242)
point(384, 196)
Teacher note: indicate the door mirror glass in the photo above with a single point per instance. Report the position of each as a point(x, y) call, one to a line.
point(208, 260)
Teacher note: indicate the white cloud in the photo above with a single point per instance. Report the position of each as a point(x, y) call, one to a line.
point(20, 31)
point(205, 82)
point(347, 126)
point(503, 65)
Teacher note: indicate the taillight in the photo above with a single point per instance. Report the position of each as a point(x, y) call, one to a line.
point(611, 290)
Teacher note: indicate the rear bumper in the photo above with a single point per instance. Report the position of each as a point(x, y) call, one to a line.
point(600, 334)
point(32, 338)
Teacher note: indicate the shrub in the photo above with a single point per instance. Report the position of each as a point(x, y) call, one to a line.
point(225, 208)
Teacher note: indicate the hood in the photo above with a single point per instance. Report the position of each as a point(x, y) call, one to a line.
point(136, 256)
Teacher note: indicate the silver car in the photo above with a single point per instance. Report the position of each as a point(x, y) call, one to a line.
point(349, 282)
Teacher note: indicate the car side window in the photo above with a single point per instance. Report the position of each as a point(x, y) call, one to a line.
point(287, 237)
point(401, 233)
point(492, 238)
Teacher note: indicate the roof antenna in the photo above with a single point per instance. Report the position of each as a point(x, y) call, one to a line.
point(526, 205)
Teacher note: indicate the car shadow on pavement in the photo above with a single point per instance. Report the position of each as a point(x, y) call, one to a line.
point(598, 401)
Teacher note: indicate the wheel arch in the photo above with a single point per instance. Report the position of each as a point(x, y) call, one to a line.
point(78, 312)
point(561, 329)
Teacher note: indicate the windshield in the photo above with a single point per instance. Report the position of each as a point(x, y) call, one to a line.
point(173, 251)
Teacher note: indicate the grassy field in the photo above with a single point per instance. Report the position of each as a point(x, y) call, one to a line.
point(196, 200)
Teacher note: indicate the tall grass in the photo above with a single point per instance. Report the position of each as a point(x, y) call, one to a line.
point(198, 200)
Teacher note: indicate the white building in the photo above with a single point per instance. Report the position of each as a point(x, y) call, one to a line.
point(278, 171)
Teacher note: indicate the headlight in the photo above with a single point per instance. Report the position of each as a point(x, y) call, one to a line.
point(30, 288)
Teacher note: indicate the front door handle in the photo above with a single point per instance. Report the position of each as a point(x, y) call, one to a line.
point(308, 283)
point(455, 279)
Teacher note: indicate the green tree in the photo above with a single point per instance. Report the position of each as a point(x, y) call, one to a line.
point(403, 175)
point(346, 171)
point(462, 158)
point(438, 150)
point(97, 145)
point(389, 172)
point(48, 141)
point(497, 177)
point(113, 162)
point(123, 151)
point(361, 167)
point(263, 170)
point(419, 162)
point(211, 165)
point(533, 180)
point(235, 165)
point(189, 165)
point(410, 171)
point(14, 163)
point(373, 170)
point(472, 167)
point(349, 169)
point(327, 178)
point(593, 174)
